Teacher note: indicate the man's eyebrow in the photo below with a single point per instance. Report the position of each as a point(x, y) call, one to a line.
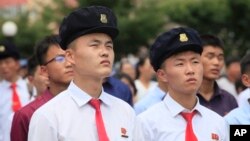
point(94, 41)
point(109, 42)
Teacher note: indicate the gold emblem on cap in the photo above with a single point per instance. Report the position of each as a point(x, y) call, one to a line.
point(103, 18)
point(2, 48)
point(183, 37)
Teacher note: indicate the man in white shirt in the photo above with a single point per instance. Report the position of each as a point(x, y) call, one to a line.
point(241, 115)
point(10, 101)
point(87, 35)
point(176, 58)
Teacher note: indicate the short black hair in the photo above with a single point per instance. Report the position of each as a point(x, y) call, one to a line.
point(231, 59)
point(130, 80)
point(32, 65)
point(9, 49)
point(42, 47)
point(209, 39)
point(245, 64)
point(140, 63)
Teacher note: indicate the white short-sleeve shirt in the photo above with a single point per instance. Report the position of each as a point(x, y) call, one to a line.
point(163, 122)
point(69, 117)
point(6, 112)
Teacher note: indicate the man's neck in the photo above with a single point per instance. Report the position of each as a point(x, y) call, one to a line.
point(91, 86)
point(207, 89)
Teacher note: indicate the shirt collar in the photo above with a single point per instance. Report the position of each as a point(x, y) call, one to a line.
point(81, 97)
point(8, 84)
point(175, 108)
point(159, 92)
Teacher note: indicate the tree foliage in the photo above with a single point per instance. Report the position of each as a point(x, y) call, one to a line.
point(139, 23)
point(225, 18)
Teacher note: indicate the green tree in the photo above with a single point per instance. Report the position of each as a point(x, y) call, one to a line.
point(137, 24)
point(225, 18)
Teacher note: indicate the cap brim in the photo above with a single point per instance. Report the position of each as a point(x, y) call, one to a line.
point(111, 31)
point(189, 47)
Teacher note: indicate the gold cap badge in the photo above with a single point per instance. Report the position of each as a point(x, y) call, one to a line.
point(103, 18)
point(2, 48)
point(183, 37)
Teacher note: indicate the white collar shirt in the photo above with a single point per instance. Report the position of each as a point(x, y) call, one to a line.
point(163, 122)
point(6, 112)
point(69, 117)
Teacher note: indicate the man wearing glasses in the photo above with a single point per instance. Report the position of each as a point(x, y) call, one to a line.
point(51, 59)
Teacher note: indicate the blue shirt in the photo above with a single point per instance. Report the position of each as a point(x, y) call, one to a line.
point(240, 115)
point(118, 89)
point(154, 96)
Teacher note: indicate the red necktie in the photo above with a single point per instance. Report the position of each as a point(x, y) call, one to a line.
point(99, 122)
point(190, 136)
point(16, 104)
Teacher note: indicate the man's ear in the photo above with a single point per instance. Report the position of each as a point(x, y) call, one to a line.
point(161, 74)
point(42, 70)
point(69, 54)
point(245, 78)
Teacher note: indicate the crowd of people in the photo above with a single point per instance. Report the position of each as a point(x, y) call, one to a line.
point(174, 90)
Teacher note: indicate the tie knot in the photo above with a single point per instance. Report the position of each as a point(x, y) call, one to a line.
point(188, 116)
point(95, 103)
point(13, 85)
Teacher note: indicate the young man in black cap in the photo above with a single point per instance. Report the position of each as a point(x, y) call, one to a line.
point(13, 88)
point(175, 56)
point(84, 111)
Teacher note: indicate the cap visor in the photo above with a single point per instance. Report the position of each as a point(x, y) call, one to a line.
point(189, 47)
point(112, 32)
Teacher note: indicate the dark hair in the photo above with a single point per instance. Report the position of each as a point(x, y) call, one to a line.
point(239, 86)
point(209, 39)
point(42, 47)
point(32, 65)
point(123, 75)
point(230, 60)
point(245, 64)
point(140, 63)
point(10, 50)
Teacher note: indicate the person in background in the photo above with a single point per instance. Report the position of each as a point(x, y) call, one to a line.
point(241, 115)
point(14, 92)
point(53, 65)
point(23, 67)
point(155, 95)
point(144, 77)
point(127, 68)
point(232, 75)
point(126, 79)
point(84, 111)
point(37, 83)
point(210, 94)
point(244, 95)
point(175, 56)
point(115, 87)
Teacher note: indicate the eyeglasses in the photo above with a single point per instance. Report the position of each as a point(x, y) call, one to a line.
point(58, 58)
